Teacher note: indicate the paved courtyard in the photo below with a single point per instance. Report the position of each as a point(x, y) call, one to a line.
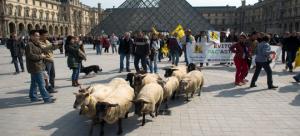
point(222, 110)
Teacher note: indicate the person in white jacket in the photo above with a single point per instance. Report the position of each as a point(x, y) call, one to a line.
point(189, 42)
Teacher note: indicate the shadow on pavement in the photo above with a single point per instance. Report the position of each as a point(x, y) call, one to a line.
point(229, 69)
point(238, 92)
point(296, 101)
point(15, 102)
point(6, 74)
point(24, 91)
point(218, 87)
point(290, 88)
point(71, 124)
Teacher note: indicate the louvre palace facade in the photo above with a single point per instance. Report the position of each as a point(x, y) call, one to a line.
point(59, 17)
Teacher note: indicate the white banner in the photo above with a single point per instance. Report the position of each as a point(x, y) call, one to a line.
point(210, 52)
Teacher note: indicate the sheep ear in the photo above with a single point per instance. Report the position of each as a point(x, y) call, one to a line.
point(174, 69)
point(75, 94)
point(87, 94)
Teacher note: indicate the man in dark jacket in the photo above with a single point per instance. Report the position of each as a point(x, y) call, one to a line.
point(126, 44)
point(16, 47)
point(141, 50)
point(35, 66)
point(292, 47)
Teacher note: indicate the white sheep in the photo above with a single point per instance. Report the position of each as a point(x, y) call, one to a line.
point(115, 107)
point(170, 88)
point(148, 101)
point(192, 82)
point(140, 80)
point(177, 71)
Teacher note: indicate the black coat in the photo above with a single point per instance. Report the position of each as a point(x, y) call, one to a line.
point(292, 44)
point(125, 46)
point(17, 48)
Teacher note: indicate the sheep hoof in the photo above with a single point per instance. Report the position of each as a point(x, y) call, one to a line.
point(151, 114)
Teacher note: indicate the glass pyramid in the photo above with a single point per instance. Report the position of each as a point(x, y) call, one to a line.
point(142, 15)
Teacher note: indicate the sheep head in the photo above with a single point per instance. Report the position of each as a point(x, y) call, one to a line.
point(82, 99)
point(169, 71)
point(184, 84)
point(130, 78)
point(191, 67)
point(139, 106)
point(102, 108)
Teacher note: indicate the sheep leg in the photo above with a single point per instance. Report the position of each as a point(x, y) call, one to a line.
point(157, 105)
point(120, 131)
point(166, 106)
point(143, 121)
point(126, 115)
point(151, 114)
point(102, 128)
point(92, 127)
point(187, 97)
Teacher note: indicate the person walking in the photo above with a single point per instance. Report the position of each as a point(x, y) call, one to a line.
point(35, 66)
point(175, 49)
point(17, 49)
point(98, 46)
point(49, 61)
point(293, 44)
point(251, 42)
point(124, 50)
point(154, 46)
point(105, 43)
point(240, 59)
point(141, 50)
point(114, 40)
point(263, 60)
point(75, 57)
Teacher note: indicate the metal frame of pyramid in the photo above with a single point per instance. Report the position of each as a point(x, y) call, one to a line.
point(142, 15)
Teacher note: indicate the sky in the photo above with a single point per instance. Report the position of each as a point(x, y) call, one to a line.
point(195, 3)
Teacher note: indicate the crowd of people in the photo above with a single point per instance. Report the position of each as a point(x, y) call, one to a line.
point(147, 50)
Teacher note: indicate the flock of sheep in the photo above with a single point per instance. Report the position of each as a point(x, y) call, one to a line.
point(111, 102)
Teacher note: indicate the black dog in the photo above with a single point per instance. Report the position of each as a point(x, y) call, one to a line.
point(89, 69)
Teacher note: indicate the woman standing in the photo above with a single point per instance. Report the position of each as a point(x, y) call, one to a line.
point(154, 46)
point(263, 59)
point(75, 56)
point(240, 59)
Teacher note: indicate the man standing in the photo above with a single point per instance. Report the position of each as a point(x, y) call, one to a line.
point(114, 41)
point(126, 44)
point(188, 42)
point(35, 66)
point(251, 42)
point(49, 62)
point(141, 50)
point(16, 47)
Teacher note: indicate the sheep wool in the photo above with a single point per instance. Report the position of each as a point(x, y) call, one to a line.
point(122, 96)
point(151, 93)
point(195, 81)
point(170, 87)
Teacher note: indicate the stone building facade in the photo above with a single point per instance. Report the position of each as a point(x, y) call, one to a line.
point(275, 16)
point(59, 17)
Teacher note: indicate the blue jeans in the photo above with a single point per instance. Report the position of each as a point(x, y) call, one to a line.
point(51, 73)
point(291, 55)
point(137, 59)
point(175, 57)
point(76, 72)
point(185, 58)
point(153, 64)
point(114, 48)
point(99, 49)
point(37, 79)
point(122, 57)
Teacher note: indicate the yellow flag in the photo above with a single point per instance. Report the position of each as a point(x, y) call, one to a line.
point(165, 50)
point(154, 30)
point(180, 31)
point(297, 60)
point(214, 36)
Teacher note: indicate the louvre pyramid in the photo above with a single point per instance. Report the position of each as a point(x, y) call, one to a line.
point(142, 15)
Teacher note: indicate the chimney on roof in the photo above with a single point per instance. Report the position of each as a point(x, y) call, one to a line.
point(243, 3)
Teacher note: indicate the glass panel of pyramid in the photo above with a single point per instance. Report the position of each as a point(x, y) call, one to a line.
point(142, 15)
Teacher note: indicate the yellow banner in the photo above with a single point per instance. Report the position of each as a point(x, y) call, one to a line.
point(180, 31)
